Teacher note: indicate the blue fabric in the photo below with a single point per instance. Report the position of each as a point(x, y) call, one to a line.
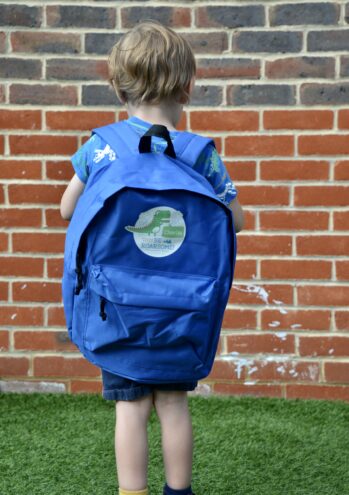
point(118, 388)
point(98, 153)
point(148, 265)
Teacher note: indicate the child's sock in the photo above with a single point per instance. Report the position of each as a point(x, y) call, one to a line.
point(132, 492)
point(172, 491)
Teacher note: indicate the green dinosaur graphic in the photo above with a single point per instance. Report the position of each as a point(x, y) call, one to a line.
point(159, 222)
point(154, 226)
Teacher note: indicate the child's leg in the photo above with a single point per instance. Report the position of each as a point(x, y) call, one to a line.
point(177, 436)
point(131, 442)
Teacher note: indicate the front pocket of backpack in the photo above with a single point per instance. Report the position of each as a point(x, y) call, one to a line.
point(147, 308)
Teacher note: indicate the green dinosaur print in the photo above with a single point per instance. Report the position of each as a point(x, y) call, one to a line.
point(160, 217)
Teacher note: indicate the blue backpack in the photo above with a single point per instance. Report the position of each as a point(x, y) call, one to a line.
point(149, 260)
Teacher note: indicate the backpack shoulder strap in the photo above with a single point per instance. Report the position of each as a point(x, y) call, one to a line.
point(188, 146)
point(120, 136)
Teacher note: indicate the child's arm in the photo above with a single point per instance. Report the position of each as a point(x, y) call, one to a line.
point(238, 214)
point(70, 197)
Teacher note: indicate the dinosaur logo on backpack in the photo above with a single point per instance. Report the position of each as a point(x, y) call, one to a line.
point(159, 231)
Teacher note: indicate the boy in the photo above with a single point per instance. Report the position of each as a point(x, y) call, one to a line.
point(152, 70)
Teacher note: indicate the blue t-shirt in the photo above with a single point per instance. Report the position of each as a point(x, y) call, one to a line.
point(96, 153)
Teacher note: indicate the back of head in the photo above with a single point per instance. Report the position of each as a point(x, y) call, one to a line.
point(151, 63)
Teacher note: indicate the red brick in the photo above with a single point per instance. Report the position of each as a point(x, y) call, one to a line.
point(55, 315)
point(15, 266)
point(257, 343)
point(260, 145)
point(43, 145)
point(264, 244)
point(336, 372)
point(260, 294)
point(322, 244)
point(323, 145)
point(4, 291)
point(61, 367)
point(21, 316)
point(294, 170)
point(300, 67)
point(264, 195)
point(20, 119)
point(35, 193)
point(293, 220)
point(282, 371)
point(78, 120)
point(37, 291)
point(296, 319)
point(59, 170)
point(223, 370)
point(12, 217)
point(296, 269)
point(14, 366)
point(86, 387)
point(224, 121)
point(38, 243)
point(236, 318)
point(323, 346)
point(20, 169)
point(53, 218)
point(43, 94)
point(40, 340)
point(298, 119)
point(245, 269)
point(321, 195)
point(241, 170)
point(319, 392)
point(341, 170)
point(342, 320)
point(4, 340)
point(340, 220)
point(2, 145)
point(248, 390)
point(228, 68)
point(3, 241)
point(55, 268)
point(343, 119)
point(342, 270)
point(317, 295)
point(40, 42)
point(2, 42)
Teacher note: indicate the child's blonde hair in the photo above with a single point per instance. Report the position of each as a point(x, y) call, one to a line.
point(151, 63)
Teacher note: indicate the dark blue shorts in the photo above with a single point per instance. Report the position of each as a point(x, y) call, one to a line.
point(116, 387)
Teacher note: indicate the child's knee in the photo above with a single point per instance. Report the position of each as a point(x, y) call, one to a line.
point(138, 408)
point(169, 400)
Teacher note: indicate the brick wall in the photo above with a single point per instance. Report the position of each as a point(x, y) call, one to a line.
point(273, 90)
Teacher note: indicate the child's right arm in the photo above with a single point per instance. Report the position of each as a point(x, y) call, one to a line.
point(212, 167)
point(238, 214)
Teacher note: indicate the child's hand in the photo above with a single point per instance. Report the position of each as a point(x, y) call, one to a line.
point(70, 197)
point(238, 214)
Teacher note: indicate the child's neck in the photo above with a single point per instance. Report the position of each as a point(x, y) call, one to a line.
point(167, 115)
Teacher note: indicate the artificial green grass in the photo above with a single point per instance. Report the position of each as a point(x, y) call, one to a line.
point(56, 444)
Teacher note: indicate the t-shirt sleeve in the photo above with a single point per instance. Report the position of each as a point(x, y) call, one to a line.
point(211, 166)
point(81, 159)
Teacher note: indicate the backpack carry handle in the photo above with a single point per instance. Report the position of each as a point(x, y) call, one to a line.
point(159, 131)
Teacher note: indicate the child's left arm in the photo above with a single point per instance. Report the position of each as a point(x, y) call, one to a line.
point(70, 197)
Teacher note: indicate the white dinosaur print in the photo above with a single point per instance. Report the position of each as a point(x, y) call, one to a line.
point(100, 154)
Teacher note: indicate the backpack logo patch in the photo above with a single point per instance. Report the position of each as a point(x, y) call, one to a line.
point(159, 231)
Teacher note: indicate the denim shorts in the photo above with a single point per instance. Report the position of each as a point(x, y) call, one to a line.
point(116, 387)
